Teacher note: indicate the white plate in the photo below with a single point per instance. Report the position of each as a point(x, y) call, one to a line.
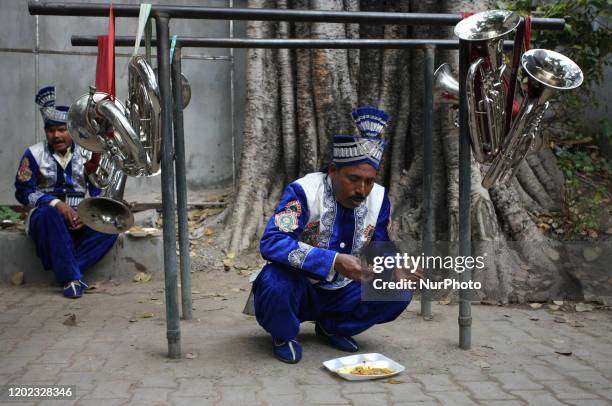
point(374, 360)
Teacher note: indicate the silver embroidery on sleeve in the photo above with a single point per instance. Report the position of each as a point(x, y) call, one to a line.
point(328, 216)
point(298, 255)
point(33, 198)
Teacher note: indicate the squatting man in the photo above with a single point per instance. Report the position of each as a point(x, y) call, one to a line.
point(313, 241)
point(51, 181)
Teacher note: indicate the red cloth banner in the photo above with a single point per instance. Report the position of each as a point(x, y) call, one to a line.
point(105, 75)
point(105, 66)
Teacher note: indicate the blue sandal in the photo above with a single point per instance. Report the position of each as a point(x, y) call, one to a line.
point(287, 351)
point(343, 343)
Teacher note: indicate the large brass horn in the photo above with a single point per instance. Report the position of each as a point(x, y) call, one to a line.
point(144, 105)
point(108, 213)
point(446, 91)
point(485, 91)
point(446, 86)
point(100, 123)
point(547, 71)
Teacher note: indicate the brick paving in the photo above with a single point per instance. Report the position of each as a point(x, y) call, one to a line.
point(116, 356)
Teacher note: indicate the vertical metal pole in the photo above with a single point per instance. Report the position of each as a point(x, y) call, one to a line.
point(427, 171)
point(181, 184)
point(173, 329)
point(465, 306)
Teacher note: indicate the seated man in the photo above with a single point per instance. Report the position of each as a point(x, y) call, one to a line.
point(51, 181)
point(313, 242)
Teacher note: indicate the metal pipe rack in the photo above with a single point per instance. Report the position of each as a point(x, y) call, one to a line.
point(162, 14)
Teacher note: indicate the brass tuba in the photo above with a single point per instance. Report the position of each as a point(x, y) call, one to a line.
point(144, 105)
point(547, 71)
point(108, 213)
point(98, 122)
point(486, 96)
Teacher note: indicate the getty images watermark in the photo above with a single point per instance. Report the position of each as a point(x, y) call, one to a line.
point(402, 262)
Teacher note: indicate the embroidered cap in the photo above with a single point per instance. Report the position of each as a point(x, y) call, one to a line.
point(52, 114)
point(368, 147)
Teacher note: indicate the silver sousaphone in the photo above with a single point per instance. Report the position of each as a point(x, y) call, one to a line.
point(486, 95)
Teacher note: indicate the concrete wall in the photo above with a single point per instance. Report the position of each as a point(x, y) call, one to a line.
point(35, 51)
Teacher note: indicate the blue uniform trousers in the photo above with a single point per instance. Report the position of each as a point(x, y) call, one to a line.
point(64, 251)
point(284, 298)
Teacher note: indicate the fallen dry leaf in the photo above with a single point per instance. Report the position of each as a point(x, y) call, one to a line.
point(17, 278)
point(444, 301)
point(71, 320)
point(393, 381)
point(147, 315)
point(577, 324)
point(142, 277)
point(535, 305)
point(227, 264)
point(133, 320)
point(484, 365)
point(560, 319)
point(533, 318)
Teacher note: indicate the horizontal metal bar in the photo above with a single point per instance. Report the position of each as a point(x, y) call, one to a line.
point(262, 14)
point(117, 54)
point(286, 43)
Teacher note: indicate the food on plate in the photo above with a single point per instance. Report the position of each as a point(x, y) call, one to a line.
point(364, 369)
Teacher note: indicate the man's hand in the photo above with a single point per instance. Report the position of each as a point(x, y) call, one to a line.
point(70, 216)
point(408, 275)
point(348, 266)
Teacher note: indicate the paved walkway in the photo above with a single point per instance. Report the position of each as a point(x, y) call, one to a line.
point(116, 354)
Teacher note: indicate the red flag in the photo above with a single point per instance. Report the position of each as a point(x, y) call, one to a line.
point(105, 75)
point(105, 66)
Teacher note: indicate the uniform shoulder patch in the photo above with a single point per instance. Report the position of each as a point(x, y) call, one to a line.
point(286, 220)
point(295, 206)
point(24, 173)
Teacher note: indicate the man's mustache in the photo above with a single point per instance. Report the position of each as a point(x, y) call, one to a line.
point(358, 198)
